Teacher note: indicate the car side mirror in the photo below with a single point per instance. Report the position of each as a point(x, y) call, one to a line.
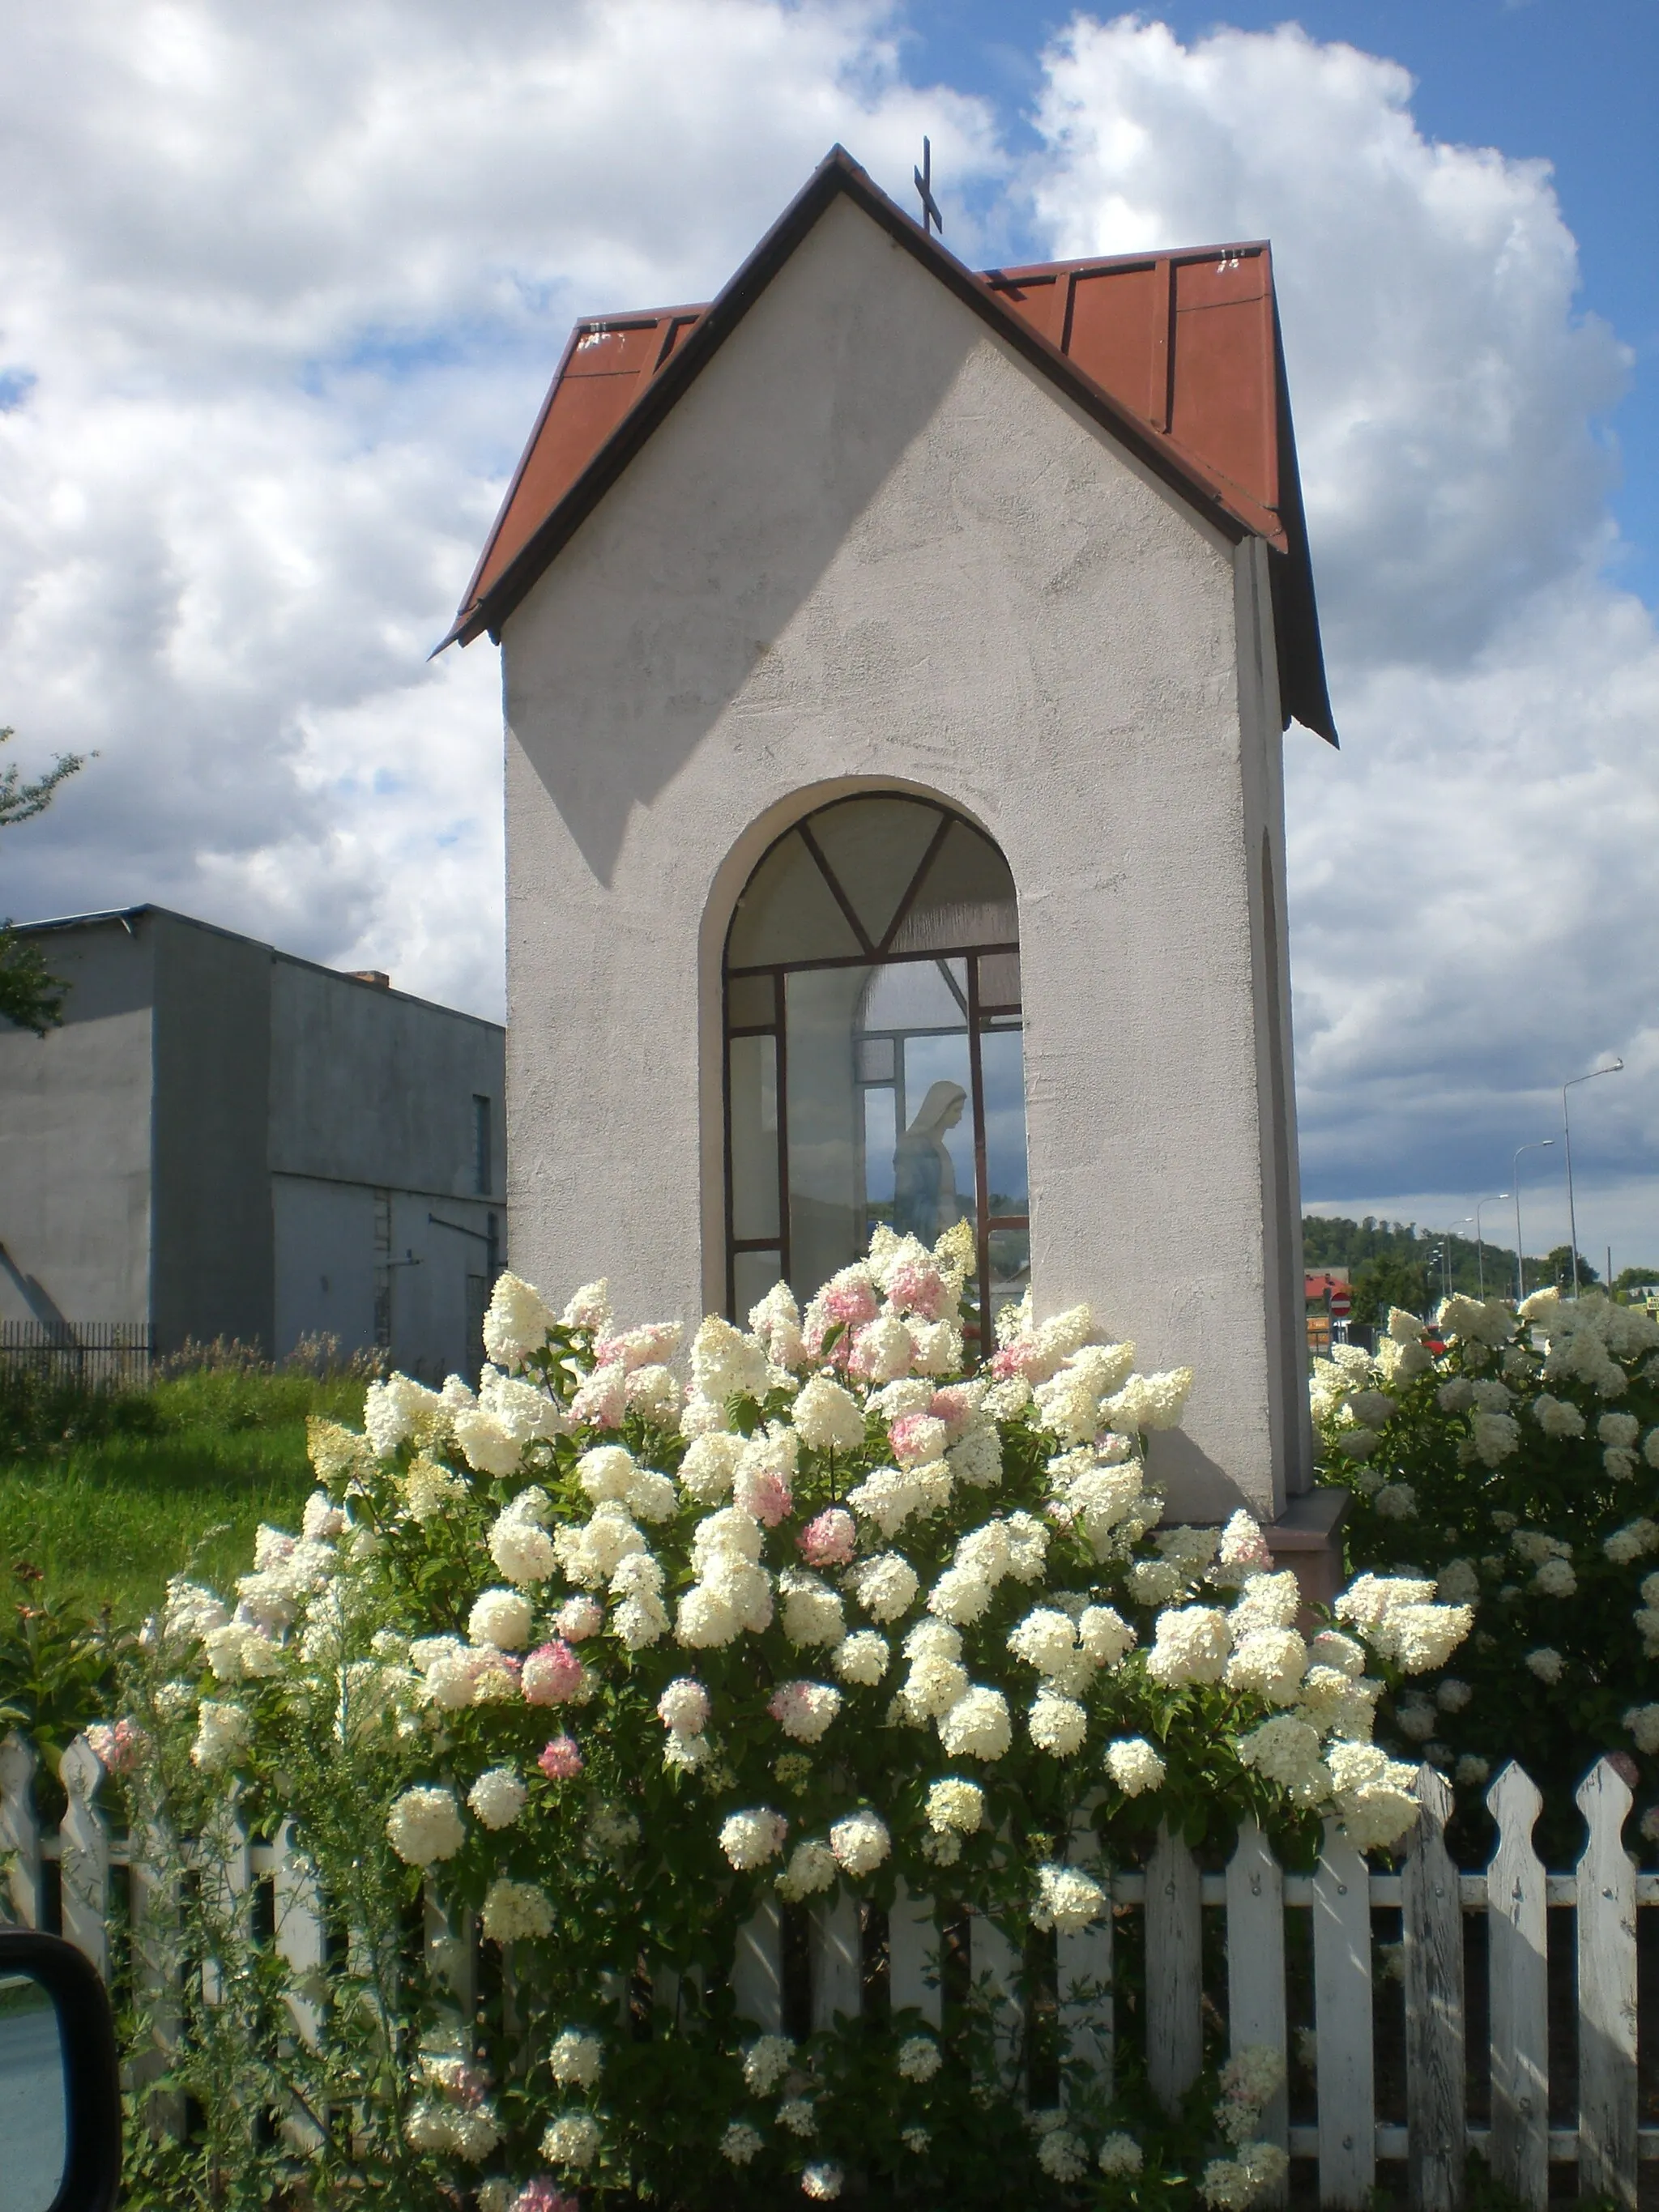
point(60, 2091)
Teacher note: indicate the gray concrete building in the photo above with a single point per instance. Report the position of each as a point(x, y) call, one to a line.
point(224, 1141)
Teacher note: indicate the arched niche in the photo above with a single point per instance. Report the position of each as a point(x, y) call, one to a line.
point(872, 1049)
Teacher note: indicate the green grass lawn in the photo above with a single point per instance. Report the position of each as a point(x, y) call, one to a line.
point(182, 1478)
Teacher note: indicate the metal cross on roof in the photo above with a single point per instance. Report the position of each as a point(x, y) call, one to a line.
point(931, 220)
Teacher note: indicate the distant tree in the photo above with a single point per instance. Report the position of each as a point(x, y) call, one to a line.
point(1558, 1268)
point(1633, 1278)
point(1389, 1281)
point(30, 995)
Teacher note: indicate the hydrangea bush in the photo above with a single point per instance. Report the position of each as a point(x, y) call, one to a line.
point(600, 1658)
point(1518, 1470)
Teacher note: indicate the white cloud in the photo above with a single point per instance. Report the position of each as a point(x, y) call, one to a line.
point(281, 289)
point(1472, 877)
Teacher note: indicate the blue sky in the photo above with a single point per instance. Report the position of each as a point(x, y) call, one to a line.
point(1573, 82)
point(279, 294)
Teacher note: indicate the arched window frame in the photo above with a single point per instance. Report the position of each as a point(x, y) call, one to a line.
point(978, 1011)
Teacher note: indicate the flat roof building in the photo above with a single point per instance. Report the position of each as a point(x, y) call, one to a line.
point(223, 1140)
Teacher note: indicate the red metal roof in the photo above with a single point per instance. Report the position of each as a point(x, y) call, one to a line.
point(1177, 353)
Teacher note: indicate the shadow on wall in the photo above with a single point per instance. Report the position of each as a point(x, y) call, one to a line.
point(721, 527)
point(33, 1293)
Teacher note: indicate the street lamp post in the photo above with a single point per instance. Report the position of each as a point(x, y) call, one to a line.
point(1542, 1144)
point(1612, 1068)
point(1479, 1249)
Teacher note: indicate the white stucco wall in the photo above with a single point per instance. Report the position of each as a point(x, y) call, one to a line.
point(872, 547)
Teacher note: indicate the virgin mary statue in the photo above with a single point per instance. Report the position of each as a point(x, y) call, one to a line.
point(924, 1202)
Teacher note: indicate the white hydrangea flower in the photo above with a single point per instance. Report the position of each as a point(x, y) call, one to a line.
point(519, 1545)
point(1067, 1900)
point(497, 1797)
point(1190, 1644)
point(977, 1458)
point(1045, 1639)
point(1270, 1662)
point(804, 1711)
point(726, 1364)
point(827, 1417)
point(1458, 1582)
point(863, 1658)
point(885, 1585)
point(517, 1324)
point(860, 1842)
point(1642, 1722)
point(1134, 1765)
point(710, 1467)
point(572, 2139)
point(1268, 1601)
point(1104, 1635)
point(960, 1595)
point(750, 1839)
point(822, 2182)
point(1118, 2157)
point(1557, 1417)
point(811, 1610)
point(977, 1726)
point(919, 2058)
point(500, 1617)
point(956, 1806)
point(222, 1731)
point(684, 1706)
point(1396, 1501)
point(424, 1826)
point(812, 1867)
point(1149, 1403)
point(576, 2056)
point(1287, 1751)
point(740, 2144)
point(1058, 1725)
point(516, 1912)
point(766, 2062)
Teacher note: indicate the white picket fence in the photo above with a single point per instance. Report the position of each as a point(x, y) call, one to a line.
point(1514, 1894)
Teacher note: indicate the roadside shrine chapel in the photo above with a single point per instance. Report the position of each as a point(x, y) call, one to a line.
point(895, 664)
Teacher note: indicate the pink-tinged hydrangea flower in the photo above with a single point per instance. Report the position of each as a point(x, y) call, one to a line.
point(553, 1674)
point(562, 1761)
point(915, 1288)
point(635, 1348)
point(917, 1439)
point(684, 1706)
point(957, 1407)
point(850, 1298)
point(541, 2193)
point(830, 1539)
point(119, 1749)
point(767, 1496)
point(602, 1400)
point(805, 1710)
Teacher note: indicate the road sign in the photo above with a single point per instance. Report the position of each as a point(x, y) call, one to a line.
point(1341, 1303)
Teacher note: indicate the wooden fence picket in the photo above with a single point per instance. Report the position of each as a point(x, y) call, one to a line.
point(300, 1939)
point(225, 1871)
point(1517, 1955)
point(1175, 1928)
point(85, 1855)
point(1433, 1920)
point(1342, 2016)
point(757, 1969)
point(838, 1963)
point(913, 1962)
point(20, 1833)
point(157, 1972)
point(995, 1966)
point(1083, 1978)
point(1607, 1991)
point(1255, 1965)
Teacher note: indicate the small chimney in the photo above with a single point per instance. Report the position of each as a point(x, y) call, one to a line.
point(377, 976)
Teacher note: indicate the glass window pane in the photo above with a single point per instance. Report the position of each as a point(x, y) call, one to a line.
point(751, 1002)
point(967, 897)
point(754, 1066)
point(880, 1137)
point(875, 846)
point(876, 1060)
point(917, 994)
point(998, 980)
point(1002, 1069)
point(825, 1117)
point(1010, 1266)
point(788, 913)
point(933, 1158)
point(754, 1272)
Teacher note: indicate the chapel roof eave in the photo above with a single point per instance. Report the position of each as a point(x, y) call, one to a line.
point(1230, 507)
